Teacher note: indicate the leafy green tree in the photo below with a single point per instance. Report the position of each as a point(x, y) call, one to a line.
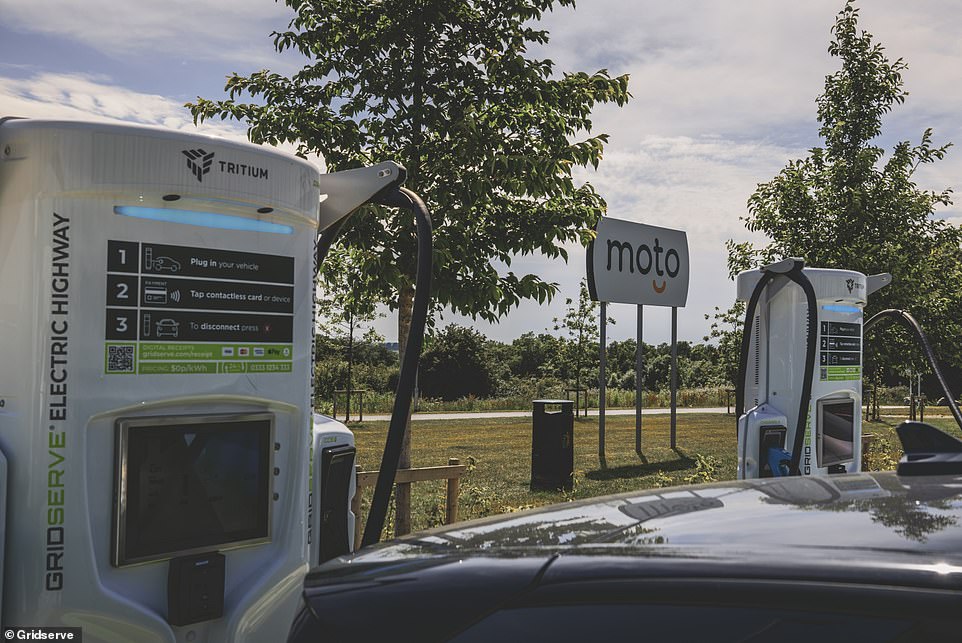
point(580, 323)
point(344, 312)
point(457, 364)
point(621, 357)
point(657, 373)
point(535, 356)
point(846, 206)
point(489, 136)
point(726, 331)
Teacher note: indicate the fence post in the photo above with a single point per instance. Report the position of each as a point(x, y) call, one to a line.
point(356, 509)
point(454, 489)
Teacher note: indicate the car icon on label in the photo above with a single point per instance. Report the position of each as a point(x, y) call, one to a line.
point(166, 264)
point(167, 328)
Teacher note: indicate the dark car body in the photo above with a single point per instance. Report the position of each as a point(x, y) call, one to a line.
point(839, 558)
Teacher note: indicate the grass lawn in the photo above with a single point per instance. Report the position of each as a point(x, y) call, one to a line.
point(499, 454)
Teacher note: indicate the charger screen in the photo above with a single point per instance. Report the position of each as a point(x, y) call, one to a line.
point(837, 426)
point(191, 484)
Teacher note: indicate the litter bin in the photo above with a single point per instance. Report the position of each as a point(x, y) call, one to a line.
point(552, 444)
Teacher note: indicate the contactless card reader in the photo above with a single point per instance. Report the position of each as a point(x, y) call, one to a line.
point(195, 589)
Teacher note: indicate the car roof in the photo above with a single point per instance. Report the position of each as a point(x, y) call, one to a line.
point(878, 512)
point(895, 538)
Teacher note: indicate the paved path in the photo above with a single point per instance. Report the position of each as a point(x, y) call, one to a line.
point(477, 415)
point(457, 415)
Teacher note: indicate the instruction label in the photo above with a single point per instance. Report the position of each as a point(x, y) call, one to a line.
point(840, 351)
point(179, 309)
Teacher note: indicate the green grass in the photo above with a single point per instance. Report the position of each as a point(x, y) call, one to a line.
point(498, 452)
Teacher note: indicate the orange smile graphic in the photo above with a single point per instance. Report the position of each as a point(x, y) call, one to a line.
point(664, 284)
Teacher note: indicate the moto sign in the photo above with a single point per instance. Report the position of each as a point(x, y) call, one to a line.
point(635, 263)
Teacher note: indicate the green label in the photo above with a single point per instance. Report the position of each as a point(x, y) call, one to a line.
point(154, 358)
point(839, 373)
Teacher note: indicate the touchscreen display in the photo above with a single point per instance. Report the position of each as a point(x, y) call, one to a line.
point(837, 425)
point(193, 483)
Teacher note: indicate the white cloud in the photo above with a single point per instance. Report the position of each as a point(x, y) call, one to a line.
point(80, 97)
point(749, 68)
point(184, 29)
point(76, 96)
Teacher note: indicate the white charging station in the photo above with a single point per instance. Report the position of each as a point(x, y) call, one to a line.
point(156, 338)
point(776, 375)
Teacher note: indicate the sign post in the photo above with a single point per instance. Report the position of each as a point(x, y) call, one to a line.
point(639, 370)
point(636, 263)
point(602, 380)
point(674, 372)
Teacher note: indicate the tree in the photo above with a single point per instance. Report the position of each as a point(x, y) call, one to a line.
point(726, 328)
point(621, 355)
point(342, 312)
point(846, 206)
point(487, 134)
point(535, 356)
point(457, 364)
point(581, 360)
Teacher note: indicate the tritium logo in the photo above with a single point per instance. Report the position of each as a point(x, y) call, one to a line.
point(853, 285)
point(199, 162)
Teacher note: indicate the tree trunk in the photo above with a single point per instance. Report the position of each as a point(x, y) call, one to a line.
point(402, 514)
point(402, 494)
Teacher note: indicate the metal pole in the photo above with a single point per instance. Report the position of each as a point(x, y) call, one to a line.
point(674, 372)
point(639, 382)
point(603, 323)
point(911, 398)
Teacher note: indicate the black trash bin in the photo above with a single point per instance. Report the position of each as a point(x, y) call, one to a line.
point(552, 444)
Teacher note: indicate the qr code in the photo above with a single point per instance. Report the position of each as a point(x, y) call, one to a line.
point(120, 359)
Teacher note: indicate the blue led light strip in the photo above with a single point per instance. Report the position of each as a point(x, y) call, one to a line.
point(841, 309)
point(205, 219)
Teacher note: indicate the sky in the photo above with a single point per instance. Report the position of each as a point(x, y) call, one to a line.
point(723, 97)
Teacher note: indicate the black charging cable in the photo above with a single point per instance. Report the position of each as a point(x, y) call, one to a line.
point(398, 197)
point(911, 324)
point(403, 198)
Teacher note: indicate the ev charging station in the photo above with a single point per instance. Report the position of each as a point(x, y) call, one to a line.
point(800, 377)
point(156, 337)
